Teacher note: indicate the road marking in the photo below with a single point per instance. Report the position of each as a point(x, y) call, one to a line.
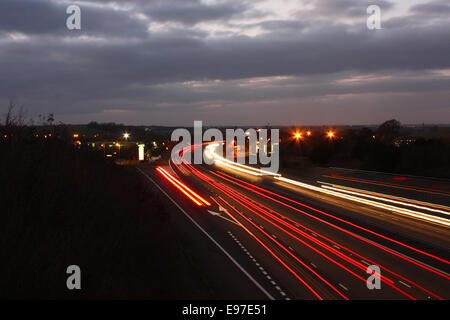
point(313, 265)
point(222, 217)
point(256, 283)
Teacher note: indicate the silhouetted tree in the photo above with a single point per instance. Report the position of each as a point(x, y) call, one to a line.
point(388, 131)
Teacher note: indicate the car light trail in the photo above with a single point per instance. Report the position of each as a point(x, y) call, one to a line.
point(337, 253)
point(297, 229)
point(186, 188)
point(235, 195)
point(257, 172)
point(383, 199)
point(230, 191)
point(183, 188)
point(283, 247)
point(237, 168)
point(407, 212)
point(234, 165)
point(254, 189)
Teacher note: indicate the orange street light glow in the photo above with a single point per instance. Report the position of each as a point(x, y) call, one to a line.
point(76, 135)
point(308, 133)
point(298, 135)
point(330, 134)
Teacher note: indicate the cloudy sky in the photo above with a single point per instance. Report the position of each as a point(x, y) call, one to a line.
point(227, 62)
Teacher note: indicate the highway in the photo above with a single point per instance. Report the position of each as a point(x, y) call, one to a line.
point(312, 240)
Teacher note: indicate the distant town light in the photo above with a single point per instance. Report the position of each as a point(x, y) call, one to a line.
point(76, 135)
point(308, 133)
point(141, 152)
point(126, 135)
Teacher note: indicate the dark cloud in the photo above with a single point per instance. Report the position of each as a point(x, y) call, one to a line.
point(181, 70)
point(49, 17)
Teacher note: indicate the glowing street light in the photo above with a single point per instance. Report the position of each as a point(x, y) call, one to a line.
point(126, 135)
point(330, 134)
point(308, 133)
point(297, 135)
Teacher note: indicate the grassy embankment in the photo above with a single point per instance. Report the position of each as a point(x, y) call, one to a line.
point(61, 206)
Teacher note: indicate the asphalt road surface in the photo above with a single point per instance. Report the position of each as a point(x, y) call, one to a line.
point(270, 239)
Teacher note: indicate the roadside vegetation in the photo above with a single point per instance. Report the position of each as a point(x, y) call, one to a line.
point(63, 206)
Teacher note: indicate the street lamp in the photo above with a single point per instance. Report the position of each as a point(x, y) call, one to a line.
point(330, 134)
point(126, 136)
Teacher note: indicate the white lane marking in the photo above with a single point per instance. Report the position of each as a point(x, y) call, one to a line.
point(343, 287)
point(259, 286)
point(405, 284)
point(365, 262)
point(313, 265)
point(222, 217)
point(264, 272)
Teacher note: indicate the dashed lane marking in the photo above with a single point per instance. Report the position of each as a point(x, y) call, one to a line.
point(263, 271)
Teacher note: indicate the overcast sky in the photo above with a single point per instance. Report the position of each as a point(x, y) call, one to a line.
point(227, 62)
